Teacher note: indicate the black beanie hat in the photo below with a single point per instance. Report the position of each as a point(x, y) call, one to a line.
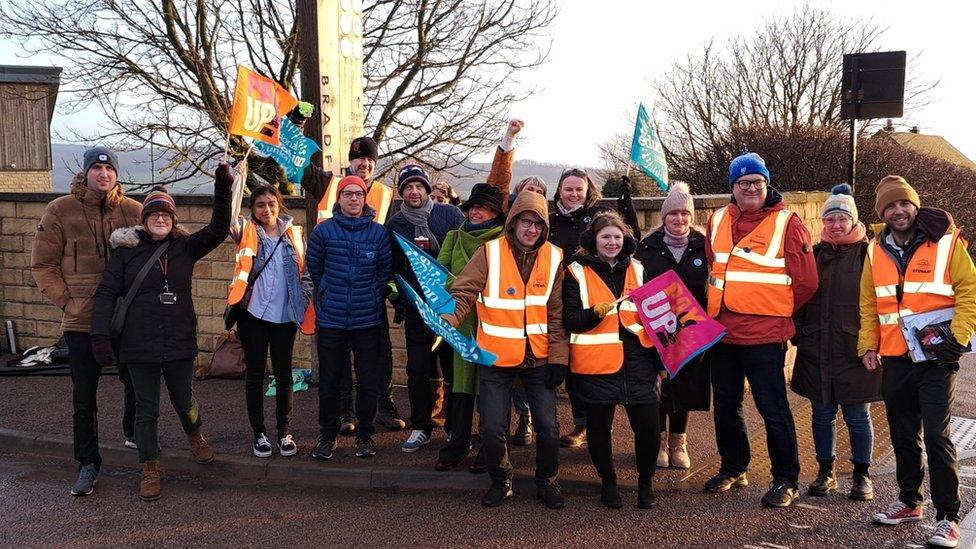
point(486, 195)
point(363, 147)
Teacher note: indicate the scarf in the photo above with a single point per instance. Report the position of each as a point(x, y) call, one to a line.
point(418, 217)
point(567, 211)
point(857, 234)
point(471, 227)
point(676, 243)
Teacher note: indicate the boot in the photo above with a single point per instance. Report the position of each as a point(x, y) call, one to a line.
point(201, 448)
point(663, 459)
point(610, 494)
point(645, 493)
point(388, 416)
point(574, 439)
point(862, 489)
point(678, 445)
point(149, 488)
point(523, 431)
point(825, 482)
point(347, 418)
point(439, 410)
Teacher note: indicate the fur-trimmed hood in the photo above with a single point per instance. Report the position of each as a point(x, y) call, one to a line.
point(130, 237)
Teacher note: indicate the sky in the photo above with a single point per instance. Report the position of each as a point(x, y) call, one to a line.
point(605, 55)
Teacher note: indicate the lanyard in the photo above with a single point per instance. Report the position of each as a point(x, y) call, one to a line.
point(163, 263)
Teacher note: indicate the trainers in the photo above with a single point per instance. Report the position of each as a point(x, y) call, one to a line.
point(87, 477)
point(781, 494)
point(898, 513)
point(724, 481)
point(551, 496)
point(365, 447)
point(287, 446)
point(574, 439)
point(497, 493)
point(262, 446)
point(418, 439)
point(129, 443)
point(946, 534)
point(324, 448)
point(523, 432)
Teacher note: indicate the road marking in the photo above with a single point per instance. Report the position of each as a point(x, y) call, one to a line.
point(814, 507)
point(801, 526)
point(774, 546)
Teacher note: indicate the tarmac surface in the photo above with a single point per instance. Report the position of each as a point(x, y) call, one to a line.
point(243, 500)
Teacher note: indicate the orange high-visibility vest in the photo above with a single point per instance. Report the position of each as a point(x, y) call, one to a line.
point(600, 350)
point(247, 251)
point(926, 286)
point(379, 197)
point(750, 276)
point(509, 310)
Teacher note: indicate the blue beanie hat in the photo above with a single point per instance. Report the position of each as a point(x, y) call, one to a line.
point(746, 164)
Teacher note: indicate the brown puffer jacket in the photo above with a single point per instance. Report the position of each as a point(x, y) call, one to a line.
point(71, 247)
point(471, 281)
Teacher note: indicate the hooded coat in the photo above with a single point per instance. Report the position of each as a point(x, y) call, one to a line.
point(71, 247)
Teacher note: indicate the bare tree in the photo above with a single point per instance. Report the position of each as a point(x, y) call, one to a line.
point(439, 74)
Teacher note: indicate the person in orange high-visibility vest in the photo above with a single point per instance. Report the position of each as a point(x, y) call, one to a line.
point(515, 282)
point(762, 270)
point(610, 353)
point(917, 263)
point(321, 186)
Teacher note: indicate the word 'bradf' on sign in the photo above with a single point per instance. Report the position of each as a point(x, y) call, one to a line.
point(259, 104)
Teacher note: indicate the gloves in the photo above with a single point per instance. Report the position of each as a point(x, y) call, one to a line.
point(948, 351)
point(601, 309)
point(224, 176)
point(398, 313)
point(557, 374)
point(625, 190)
point(102, 349)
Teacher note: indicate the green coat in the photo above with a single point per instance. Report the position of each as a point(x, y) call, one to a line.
point(456, 251)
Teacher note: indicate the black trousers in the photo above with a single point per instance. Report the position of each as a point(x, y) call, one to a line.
point(460, 417)
point(647, 441)
point(178, 375)
point(85, 373)
point(386, 373)
point(678, 420)
point(258, 337)
point(334, 347)
point(422, 366)
point(918, 399)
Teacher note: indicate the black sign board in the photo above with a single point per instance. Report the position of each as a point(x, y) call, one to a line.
point(873, 85)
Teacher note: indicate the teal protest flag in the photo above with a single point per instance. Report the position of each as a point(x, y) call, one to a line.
point(294, 152)
point(431, 275)
point(646, 150)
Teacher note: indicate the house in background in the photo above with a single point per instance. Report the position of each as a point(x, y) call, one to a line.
point(932, 145)
point(27, 99)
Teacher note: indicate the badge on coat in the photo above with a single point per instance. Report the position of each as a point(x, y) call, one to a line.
point(510, 291)
point(697, 262)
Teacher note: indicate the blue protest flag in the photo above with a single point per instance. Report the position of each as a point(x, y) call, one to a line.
point(465, 346)
point(646, 150)
point(294, 152)
point(431, 275)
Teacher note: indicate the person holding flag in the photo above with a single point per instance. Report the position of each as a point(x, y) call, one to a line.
point(610, 353)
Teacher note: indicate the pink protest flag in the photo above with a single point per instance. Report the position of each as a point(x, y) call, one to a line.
point(678, 325)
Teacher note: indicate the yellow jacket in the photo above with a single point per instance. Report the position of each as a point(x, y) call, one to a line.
point(963, 275)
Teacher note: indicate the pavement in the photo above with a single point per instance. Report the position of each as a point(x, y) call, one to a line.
point(397, 498)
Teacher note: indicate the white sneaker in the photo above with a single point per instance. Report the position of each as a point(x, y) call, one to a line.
point(129, 443)
point(262, 446)
point(287, 446)
point(418, 439)
point(946, 534)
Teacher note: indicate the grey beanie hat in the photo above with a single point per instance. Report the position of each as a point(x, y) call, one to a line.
point(101, 155)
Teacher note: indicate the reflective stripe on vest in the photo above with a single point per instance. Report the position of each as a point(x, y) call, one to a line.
point(511, 311)
point(750, 276)
point(379, 197)
point(600, 350)
point(926, 286)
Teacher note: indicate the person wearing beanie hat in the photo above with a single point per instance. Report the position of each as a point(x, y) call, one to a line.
point(106, 167)
point(159, 337)
point(827, 369)
point(158, 200)
point(412, 172)
point(762, 270)
point(677, 245)
point(917, 262)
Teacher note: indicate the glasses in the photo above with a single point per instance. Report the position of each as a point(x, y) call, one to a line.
point(528, 224)
point(745, 185)
point(353, 194)
point(158, 215)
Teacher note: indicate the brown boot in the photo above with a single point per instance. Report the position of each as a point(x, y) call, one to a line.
point(575, 439)
point(439, 410)
point(149, 487)
point(678, 444)
point(201, 448)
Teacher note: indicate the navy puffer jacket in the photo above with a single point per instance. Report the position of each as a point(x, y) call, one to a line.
point(350, 261)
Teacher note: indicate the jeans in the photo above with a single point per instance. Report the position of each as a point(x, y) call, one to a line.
point(85, 374)
point(857, 417)
point(334, 347)
point(421, 368)
point(520, 402)
point(494, 403)
point(178, 375)
point(763, 366)
point(918, 399)
point(674, 422)
point(643, 421)
point(258, 337)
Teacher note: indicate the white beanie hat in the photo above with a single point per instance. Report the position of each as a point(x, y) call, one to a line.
point(840, 200)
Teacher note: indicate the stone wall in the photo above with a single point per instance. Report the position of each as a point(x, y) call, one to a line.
point(37, 322)
point(16, 181)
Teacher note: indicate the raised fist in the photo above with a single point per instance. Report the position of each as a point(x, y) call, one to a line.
point(514, 127)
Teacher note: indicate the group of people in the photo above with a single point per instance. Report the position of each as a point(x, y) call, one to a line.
point(542, 286)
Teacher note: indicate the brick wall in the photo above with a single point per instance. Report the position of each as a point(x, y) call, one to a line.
point(25, 181)
point(37, 322)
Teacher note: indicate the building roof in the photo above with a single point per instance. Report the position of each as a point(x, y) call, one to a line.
point(24, 74)
point(932, 145)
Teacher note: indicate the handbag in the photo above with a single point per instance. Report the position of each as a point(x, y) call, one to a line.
point(227, 361)
point(117, 324)
point(232, 313)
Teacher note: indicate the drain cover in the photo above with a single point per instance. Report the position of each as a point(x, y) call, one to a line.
point(963, 432)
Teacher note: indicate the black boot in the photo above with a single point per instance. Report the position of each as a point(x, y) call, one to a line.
point(862, 489)
point(609, 494)
point(497, 493)
point(523, 431)
point(645, 493)
point(825, 482)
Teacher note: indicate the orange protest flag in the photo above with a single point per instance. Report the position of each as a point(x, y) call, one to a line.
point(259, 104)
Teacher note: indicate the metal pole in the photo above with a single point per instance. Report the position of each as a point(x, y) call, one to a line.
point(852, 168)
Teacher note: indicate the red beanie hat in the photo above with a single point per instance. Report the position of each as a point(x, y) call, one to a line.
point(158, 201)
point(352, 180)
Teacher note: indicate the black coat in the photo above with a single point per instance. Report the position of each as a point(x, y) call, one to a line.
point(565, 230)
point(636, 381)
point(691, 388)
point(155, 332)
point(827, 368)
